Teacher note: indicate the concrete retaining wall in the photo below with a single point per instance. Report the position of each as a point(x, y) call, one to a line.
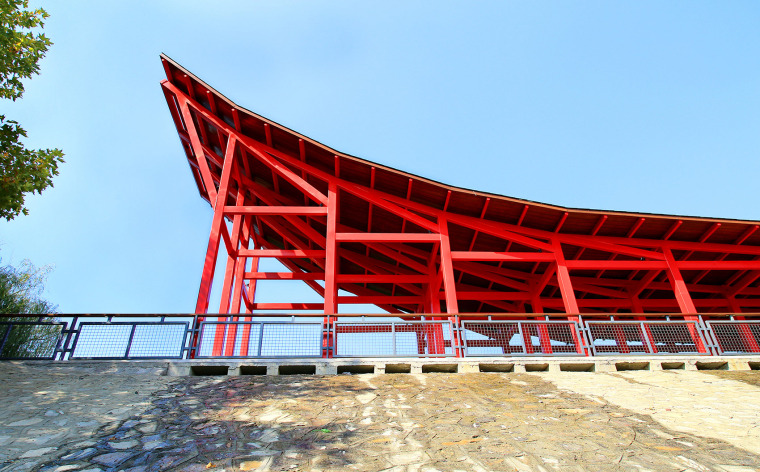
point(204, 367)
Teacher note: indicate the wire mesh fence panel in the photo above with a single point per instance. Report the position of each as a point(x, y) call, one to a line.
point(211, 340)
point(130, 340)
point(617, 337)
point(423, 339)
point(675, 337)
point(291, 340)
point(102, 341)
point(646, 337)
point(364, 340)
point(498, 338)
point(259, 339)
point(492, 338)
point(158, 340)
point(736, 337)
point(29, 340)
point(244, 340)
point(559, 338)
point(393, 339)
point(230, 339)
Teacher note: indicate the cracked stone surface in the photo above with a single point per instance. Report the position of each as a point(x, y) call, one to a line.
point(637, 421)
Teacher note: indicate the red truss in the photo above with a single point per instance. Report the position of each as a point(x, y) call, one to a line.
point(412, 245)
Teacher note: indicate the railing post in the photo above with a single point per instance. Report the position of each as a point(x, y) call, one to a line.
point(67, 345)
point(525, 339)
point(195, 338)
point(59, 341)
point(580, 347)
point(707, 335)
point(5, 336)
point(129, 343)
point(393, 336)
point(585, 332)
point(261, 339)
point(648, 342)
point(462, 336)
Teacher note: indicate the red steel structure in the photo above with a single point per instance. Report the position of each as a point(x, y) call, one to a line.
point(414, 246)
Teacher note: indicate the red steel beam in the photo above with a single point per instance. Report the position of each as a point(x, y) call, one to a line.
point(275, 210)
point(382, 279)
point(285, 253)
point(502, 256)
point(615, 265)
point(387, 237)
point(283, 276)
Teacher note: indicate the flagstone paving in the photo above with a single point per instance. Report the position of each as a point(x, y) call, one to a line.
point(143, 422)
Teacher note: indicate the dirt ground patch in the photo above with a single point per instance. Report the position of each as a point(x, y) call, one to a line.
point(751, 377)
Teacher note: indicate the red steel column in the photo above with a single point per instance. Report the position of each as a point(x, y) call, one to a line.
point(229, 275)
point(224, 306)
point(213, 246)
point(449, 284)
point(233, 278)
point(685, 303)
point(565, 284)
point(331, 250)
point(213, 243)
point(251, 294)
point(201, 306)
point(568, 293)
point(331, 268)
point(237, 293)
point(447, 267)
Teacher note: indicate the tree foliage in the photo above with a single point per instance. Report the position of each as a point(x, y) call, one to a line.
point(21, 293)
point(21, 47)
point(21, 290)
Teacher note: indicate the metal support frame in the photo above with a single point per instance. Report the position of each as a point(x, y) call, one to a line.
point(417, 269)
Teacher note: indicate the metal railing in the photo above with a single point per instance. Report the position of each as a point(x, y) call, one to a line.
point(78, 337)
point(129, 340)
point(646, 337)
point(735, 337)
point(522, 338)
point(30, 339)
point(244, 339)
point(393, 339)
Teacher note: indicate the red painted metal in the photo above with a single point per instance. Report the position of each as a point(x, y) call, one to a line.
point(414, 246)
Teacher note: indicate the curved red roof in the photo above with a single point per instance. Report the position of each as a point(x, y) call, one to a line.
point(425, 198)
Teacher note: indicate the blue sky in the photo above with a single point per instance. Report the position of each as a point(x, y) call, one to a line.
point(637, 106)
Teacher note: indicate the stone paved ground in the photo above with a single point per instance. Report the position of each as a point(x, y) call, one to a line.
point(659, 421)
